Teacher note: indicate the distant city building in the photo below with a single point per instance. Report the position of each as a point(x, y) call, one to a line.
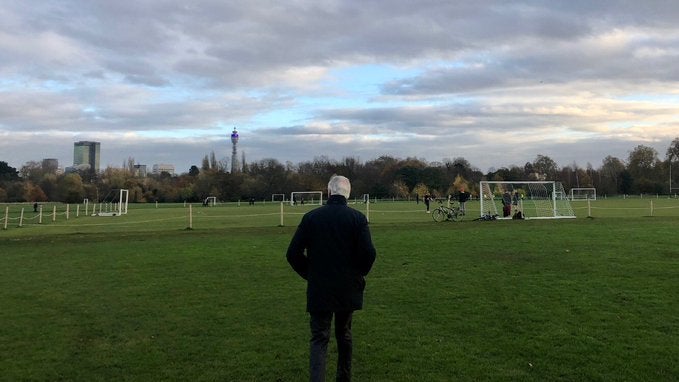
point(234, 151)
point(86, 153)
point(160, 167)
point(50, 165)
point(140, 170)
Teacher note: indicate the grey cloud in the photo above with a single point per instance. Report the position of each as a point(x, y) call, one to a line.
point(137, 72)
point(483, 69)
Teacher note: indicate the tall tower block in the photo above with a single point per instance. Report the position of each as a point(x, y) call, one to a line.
point(234, 151)
point(87, 153)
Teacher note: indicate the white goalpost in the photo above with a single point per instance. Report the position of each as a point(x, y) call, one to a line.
point(306, 197)
point(116, 205)
point(583, 193)
point(278, 197)
point(210, 201)
point(534, 199)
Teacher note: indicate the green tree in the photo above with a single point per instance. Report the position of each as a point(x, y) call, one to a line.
point(611, 176)
point(545, 167)
point(71, 188)
point(15, 192)
point(409, 175)
point(642, 165)
point(269, 176)
point(48, 183)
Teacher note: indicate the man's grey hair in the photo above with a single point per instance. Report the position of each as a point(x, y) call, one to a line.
point(339, 185)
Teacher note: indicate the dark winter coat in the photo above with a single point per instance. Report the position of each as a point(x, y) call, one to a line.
point(339, 253)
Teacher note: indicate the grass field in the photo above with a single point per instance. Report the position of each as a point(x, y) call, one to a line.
point(139, 297)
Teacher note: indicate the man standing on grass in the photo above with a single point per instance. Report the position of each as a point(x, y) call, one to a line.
point(462, 198)
point(339, 253)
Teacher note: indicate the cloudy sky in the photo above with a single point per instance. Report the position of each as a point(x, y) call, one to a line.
point(495, 82)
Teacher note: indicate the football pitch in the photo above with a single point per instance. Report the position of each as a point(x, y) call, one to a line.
point(140, 297)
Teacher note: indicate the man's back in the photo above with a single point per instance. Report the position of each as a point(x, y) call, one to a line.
point(339, 252)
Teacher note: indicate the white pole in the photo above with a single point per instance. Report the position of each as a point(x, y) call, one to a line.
point(589, 208)
point(281, 214)
point(40, 215)
point(86, 205)
point(21, 219)
point(6, 216)
point(190, 216)
point(554, 199)
point(54, 213)
point(367, 211)
point(651, 207)
point(481, 198)
point(127, 200)
point(77, 210)
point(68, 208)
point(156, 204)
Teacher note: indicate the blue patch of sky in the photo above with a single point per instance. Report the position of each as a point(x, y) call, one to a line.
point(355, 87)
point(349, 87)
point(367, 79)
point(659, 98)
point(19, 83)
point(279, 118)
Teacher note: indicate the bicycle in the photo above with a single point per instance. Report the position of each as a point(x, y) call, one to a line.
point(443, 213)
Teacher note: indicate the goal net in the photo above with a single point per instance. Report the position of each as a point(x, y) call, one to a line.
point(534, 199)
point(277, 197)
point(114, 203)
point(583, 193)
point(306, 197)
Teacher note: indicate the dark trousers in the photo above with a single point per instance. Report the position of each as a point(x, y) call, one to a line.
point(320, 335)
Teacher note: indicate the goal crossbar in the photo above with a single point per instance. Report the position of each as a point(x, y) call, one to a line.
point(306, 197)
point(583, 193)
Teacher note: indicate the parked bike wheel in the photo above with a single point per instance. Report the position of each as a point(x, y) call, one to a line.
point(438, 215)
point(455, 215)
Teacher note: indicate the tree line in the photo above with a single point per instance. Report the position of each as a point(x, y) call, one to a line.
point(642, 172)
